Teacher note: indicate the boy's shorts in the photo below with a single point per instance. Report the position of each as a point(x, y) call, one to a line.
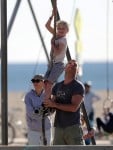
point(54, 71)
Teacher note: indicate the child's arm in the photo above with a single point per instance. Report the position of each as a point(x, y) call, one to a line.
point(48, 24)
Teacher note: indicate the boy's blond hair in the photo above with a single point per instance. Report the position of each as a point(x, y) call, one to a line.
point(63, 23)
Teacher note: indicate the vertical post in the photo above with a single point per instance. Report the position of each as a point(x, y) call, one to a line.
point(13, 17)
point(4, 72)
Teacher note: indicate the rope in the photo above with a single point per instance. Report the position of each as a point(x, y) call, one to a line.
point(67, 51)
point(55, 19)
point(55, 16)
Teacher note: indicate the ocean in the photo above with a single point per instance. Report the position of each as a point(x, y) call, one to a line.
point(19, 75)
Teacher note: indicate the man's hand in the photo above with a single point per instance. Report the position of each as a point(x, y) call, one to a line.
point(89, 134)
point(49, 103)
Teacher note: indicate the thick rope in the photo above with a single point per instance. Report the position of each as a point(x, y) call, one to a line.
point(55, 16)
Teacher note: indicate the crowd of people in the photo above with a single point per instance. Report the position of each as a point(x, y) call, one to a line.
point(64, 98)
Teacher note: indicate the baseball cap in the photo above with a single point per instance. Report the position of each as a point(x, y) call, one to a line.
point(38, 77)
point(88, 83)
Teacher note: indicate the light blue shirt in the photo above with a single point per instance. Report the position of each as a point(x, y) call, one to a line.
point(32, 102)
point(89, 98)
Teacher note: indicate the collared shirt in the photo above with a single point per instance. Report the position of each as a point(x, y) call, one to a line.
point(34, 120)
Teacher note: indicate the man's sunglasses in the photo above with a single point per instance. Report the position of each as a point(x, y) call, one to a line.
point(35, 81)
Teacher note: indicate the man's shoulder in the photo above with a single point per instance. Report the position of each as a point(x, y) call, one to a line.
point(79, 83)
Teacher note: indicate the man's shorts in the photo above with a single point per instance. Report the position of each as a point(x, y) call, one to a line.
point(71, 135)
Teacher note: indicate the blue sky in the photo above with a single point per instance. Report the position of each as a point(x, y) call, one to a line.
point(24, 45)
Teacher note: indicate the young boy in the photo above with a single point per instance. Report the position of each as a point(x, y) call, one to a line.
point(57, 54)
point(87, 134)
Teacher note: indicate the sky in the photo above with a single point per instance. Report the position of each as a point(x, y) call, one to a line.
point(24, 44)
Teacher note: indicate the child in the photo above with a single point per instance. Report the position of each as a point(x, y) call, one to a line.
point(87, 134)
point(57, 54)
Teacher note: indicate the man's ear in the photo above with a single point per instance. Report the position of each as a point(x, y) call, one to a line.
point(77, 70)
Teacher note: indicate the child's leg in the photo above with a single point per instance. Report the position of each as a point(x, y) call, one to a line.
point(48, 87)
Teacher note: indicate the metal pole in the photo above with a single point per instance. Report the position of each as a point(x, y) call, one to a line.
point(4, 72)
point(37, 26)
point(13, 16)
point(12, 19)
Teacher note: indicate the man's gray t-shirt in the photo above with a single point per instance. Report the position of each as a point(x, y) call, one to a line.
point(63, 93)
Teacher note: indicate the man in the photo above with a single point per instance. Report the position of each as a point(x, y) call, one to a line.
point(67, 97)
point(90, 98)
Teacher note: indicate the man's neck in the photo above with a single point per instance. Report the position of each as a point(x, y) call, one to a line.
point(68, 79)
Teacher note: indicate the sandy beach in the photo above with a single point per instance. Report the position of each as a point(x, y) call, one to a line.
point(16, 103)
point(16, 107)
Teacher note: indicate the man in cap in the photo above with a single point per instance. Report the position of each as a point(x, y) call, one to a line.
point(33, 102)
point(89, 99)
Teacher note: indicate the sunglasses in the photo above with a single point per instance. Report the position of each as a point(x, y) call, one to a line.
point(35, 81)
